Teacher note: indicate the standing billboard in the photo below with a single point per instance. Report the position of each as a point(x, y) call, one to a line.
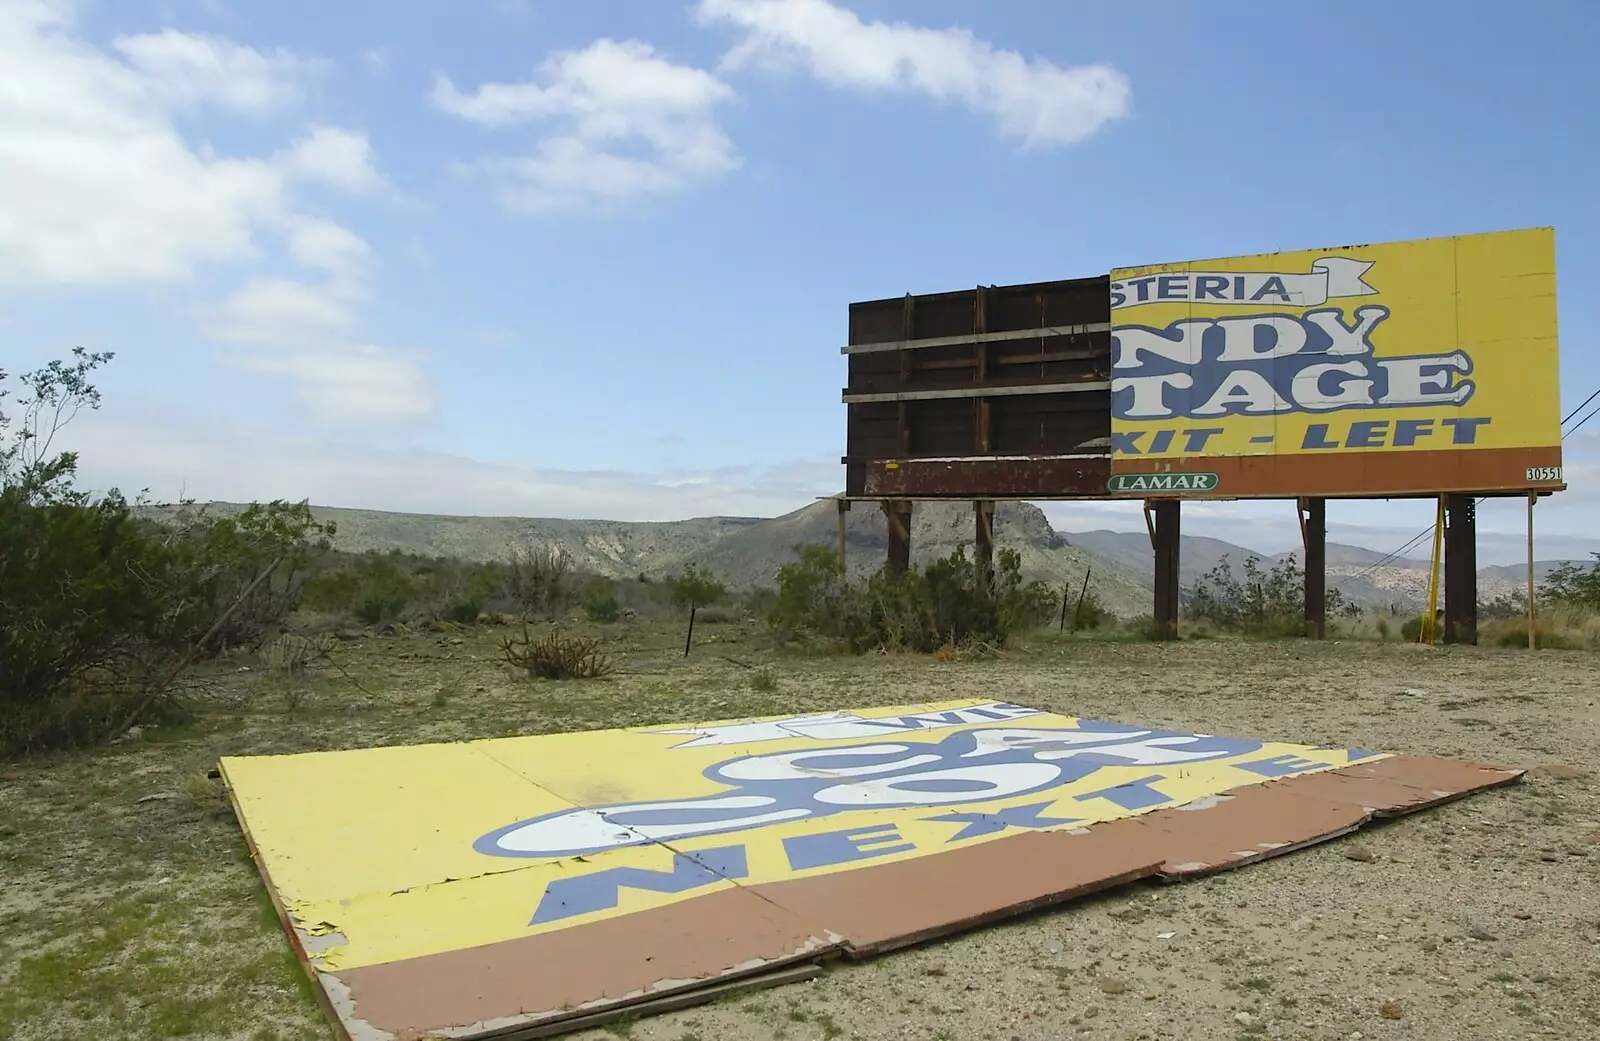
point(1416, 367)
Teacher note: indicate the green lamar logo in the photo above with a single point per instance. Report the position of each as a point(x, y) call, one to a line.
point(1198, 482)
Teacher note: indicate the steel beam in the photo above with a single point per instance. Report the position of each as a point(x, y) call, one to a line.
point(898, 513)
point(1164, 534)
point(1314, 537)
point(983, 555)
point(1460, 570)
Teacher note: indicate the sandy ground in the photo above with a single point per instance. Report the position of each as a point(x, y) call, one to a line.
point(126, 909)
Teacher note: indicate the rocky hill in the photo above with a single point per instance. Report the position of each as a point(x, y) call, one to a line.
point(747, 551)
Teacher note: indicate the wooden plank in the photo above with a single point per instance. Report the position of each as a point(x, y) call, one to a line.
point(966, 338)
point(1083, 354)
point(980, 392)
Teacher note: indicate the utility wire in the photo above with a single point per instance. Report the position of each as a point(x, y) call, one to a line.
point(1425, 532)
point(1580, 408)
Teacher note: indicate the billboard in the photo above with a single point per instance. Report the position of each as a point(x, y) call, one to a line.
point(1424, 366)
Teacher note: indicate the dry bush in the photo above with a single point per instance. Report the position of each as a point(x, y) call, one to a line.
point(292, 654)
point(555, 657)
point(1559, 627)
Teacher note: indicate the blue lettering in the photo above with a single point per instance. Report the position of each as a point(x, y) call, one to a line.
point(597, 891)
point(1272, 364)
point(1367, 434)
point(1317, 437)
point(1238, 287)
point(1275, 287)
point(1466, 430)
point(1196, 439)
point(1211, 287)
point(922, 722)
point(1163, 441)
point(1118, 297)
point(841, 847)
point(1030, 816)
point(1134, 795)
point(1143, 287)
point(1126, 442)
point(1281, 766)
point(1406, 431)
point(1172, 287)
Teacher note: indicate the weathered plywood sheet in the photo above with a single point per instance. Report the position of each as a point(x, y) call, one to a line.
point(495, 887)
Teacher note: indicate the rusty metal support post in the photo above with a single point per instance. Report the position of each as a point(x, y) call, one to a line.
point(1314, 537)
point(898, 513)
point(1165, 535)
point(983, 554)
point(1460, 570)
point(844, 508)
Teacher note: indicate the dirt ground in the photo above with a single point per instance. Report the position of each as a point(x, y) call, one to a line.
point(128, 908)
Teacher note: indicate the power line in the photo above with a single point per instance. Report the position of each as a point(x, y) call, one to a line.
point(1580, 408)
point(1425, 532)
point(1594, 412)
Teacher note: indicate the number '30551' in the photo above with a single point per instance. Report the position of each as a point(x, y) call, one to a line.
point(1544, 473)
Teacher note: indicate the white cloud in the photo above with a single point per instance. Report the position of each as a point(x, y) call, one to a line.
point(322, 244)
point(189, 69)
point(238, 464)
point(283, 312)
point(351, 383)
point(338, 158)
point(100, 187)
point(631, 124)
point(1033, 101)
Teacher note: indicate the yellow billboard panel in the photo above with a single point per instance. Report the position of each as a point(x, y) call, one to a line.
point(1427, 365)
point(385, 854)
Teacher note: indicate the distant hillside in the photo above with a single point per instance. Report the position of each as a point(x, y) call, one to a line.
point(752, 555)
point(747, 551)
point(613, 548)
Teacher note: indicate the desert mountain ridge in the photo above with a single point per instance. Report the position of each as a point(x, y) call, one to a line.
point(747, 551)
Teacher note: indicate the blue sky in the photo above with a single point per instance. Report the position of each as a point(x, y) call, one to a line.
point(561, 259)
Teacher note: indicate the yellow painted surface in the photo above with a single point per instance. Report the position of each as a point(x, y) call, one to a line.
point(392, 853)
point(1475, 314)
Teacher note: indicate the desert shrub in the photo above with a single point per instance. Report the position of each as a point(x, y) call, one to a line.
point(1574, 585)
point(1142, 627)
point(919, 609)
point(1088, 613)
point(1507, 605)
point(555, 657)
point(451, 590)
point(1264, 602)
point(695, 589)
point(1544, 637)
point(103, 608)
point(1558, 626)
point(384, 589)
point(333, 590)
point(292, 654)
point(760, 601)
point(1411, 629)
point(541, 578)
point(600, 601)
point(764, 680)
point(225, 557)
point(716, 616)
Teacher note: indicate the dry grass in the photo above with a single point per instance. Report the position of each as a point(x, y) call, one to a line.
point(129, 908)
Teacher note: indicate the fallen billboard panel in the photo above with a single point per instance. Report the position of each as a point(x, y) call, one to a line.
point(520, 887)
